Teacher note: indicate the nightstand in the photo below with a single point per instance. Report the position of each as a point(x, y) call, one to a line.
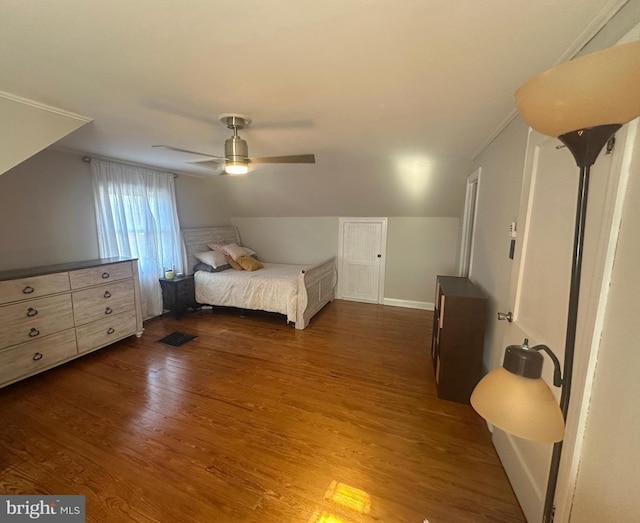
point(178, 294)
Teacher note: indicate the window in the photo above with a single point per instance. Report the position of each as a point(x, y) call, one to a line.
point(137, 218)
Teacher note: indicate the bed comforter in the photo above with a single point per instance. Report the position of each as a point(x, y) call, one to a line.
point(273, 289)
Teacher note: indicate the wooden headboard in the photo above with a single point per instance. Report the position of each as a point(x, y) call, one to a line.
point(196, 240)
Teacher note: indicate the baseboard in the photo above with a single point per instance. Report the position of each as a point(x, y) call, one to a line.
point(424, 305)
point(526, 464)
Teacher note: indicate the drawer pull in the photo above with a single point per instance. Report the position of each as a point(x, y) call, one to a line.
point(108, 310)
point(107, 294)
point(31, 312)
point(37, 356)
point(34, 332)
point(105, 275)
point(111, 330)
point(28, 289)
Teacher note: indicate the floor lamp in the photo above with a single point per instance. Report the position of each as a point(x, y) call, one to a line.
point(583, 103)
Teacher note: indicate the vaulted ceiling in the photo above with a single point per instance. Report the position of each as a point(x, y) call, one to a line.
point(377, 88)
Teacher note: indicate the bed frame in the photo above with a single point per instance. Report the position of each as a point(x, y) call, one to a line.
point(316, 284)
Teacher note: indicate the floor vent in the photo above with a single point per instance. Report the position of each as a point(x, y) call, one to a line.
point(176, 339)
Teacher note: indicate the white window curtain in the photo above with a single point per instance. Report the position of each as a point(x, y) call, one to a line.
point(137, 218)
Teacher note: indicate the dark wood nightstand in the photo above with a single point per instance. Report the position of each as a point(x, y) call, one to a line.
point(178, 294)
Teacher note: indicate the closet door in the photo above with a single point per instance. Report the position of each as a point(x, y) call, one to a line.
point(361, 259)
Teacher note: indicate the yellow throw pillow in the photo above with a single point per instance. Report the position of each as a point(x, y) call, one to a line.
point(234, 264)
point(249, 264)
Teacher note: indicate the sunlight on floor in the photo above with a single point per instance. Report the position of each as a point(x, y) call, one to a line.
point(324, 517)
point(345, 496)
point(349, 497)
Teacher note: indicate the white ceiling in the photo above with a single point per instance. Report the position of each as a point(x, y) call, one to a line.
point(360, 83)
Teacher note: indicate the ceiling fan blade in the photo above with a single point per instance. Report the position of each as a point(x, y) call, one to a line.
point(297, 158)
point(284, 124)
point(167, 108)
point(209, 164)
point(189, 152)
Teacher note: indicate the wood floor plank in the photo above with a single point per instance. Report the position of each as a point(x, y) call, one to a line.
point(252, 421)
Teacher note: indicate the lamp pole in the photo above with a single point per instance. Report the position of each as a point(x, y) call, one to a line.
point(585, 146)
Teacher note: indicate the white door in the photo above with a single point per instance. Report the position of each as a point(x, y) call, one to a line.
point(361, 259)
point(539, 290)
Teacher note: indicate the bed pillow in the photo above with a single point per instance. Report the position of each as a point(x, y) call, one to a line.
point(213, 258)
point(218, 246)
point(234, 264)
point(234, 250)
point(249, 263)
point(207, 268)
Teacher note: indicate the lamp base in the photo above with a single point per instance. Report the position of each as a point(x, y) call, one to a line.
point(586, 144)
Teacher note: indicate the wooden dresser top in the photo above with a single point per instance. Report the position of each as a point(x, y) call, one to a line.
point(61, 267)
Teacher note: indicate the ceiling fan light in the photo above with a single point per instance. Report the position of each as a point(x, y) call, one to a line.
point(236, 168)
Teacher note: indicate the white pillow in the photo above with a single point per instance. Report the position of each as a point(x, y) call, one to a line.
point(213, 258)
point(235, 251)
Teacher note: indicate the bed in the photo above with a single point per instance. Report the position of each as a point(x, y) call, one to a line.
point(297, 291)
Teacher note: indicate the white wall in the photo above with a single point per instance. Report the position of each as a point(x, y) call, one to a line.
point(201, 202)
point(418, 249)
point(46, 212)
point(290, 240)
point(498, 203)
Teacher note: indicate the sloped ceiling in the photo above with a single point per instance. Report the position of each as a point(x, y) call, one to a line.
point(27, 127)
point(392, 96)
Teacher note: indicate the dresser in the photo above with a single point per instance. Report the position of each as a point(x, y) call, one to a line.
point(51, 315)
point(459, 320)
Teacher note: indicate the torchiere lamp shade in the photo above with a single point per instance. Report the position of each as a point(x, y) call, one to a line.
point(597, 89)
point(522, 406)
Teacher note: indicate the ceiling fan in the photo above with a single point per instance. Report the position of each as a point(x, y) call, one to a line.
point(236, 153)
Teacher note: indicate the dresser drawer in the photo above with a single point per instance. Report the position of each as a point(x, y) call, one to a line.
point(106, 331)
point(34, 356)
point(33, 287)
point(102, 301)
point(27, 320)
point(101, 274)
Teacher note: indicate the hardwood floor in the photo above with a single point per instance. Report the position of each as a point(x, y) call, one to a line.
point(253, 421)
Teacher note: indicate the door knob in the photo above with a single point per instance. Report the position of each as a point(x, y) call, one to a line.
point(505, 316)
